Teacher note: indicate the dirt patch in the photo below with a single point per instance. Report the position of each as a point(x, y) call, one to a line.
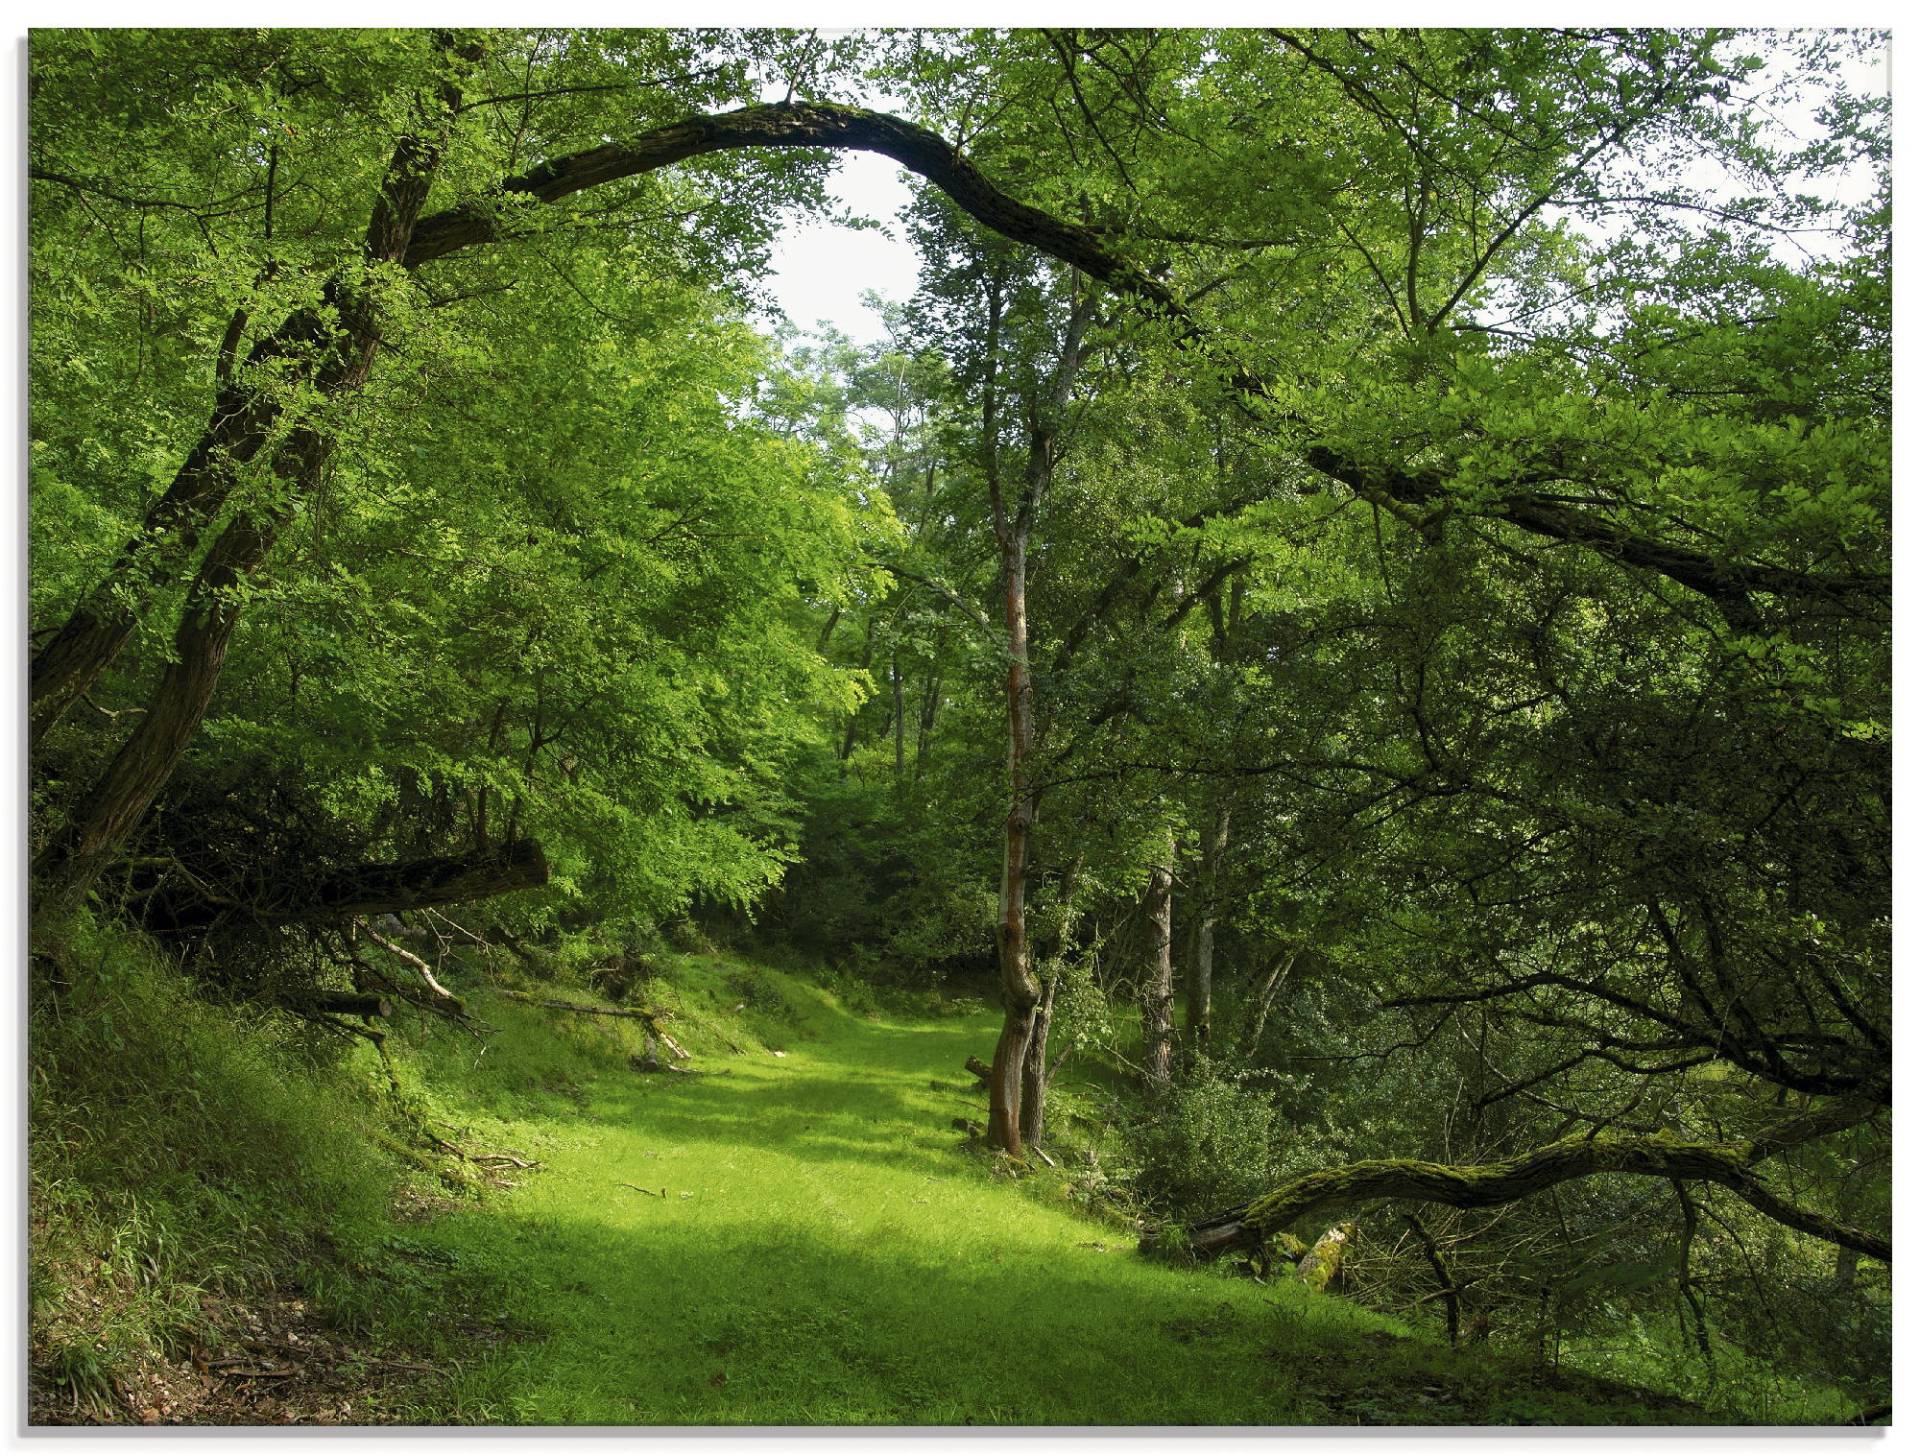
point(267, 1364)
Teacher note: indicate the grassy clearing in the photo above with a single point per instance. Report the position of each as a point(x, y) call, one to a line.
point(784, 1238)
point(828, 1250)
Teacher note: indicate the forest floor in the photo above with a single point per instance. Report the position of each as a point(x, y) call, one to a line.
point(792, 1232)
point(796, 1234)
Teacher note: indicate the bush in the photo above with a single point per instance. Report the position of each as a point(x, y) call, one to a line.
point(1213, 1140)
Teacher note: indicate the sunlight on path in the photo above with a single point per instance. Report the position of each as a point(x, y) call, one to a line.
point(814, 1244)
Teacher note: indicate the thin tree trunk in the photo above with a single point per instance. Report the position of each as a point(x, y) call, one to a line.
point(1449, 1290)
point(1013, 529)
point(853, 719)
point(930, 704)
point(1157, 1009)
point(1020, 989)
point(899, 721)
point(1278, 973)
point(1034, 1077)
point(1206, 915)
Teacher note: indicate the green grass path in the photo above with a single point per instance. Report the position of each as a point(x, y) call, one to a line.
point(828, 1252)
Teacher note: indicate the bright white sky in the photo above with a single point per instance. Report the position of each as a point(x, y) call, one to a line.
point(820, 270)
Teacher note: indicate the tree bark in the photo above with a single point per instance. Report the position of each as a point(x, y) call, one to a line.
point(1156, 1011)
point(1019, 987)
point(1724, 1163)
point(1320, 1269)
point(1206, 916)
point(103, 817)
point(1035, 1073)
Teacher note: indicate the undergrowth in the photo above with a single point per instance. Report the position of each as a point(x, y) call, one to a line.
point(793, 1231)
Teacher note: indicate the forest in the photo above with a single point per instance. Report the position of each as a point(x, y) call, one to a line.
point(1272, 806)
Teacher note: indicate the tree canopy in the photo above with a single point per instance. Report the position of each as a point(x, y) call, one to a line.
point(1393, 523)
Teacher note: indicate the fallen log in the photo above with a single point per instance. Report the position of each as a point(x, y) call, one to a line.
point(339, 1002)
point(980, 1068)
point(1224, 1232)
point(422, 883)
point(1320, 1269)
point(180, 903)
point(1491, 1184)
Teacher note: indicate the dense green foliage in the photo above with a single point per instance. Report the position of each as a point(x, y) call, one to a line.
point(1441, 480)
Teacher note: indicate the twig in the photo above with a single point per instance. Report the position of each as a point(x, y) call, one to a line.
point(419, 965)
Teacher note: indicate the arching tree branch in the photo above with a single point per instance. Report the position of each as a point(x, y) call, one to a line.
point(1495, 1183)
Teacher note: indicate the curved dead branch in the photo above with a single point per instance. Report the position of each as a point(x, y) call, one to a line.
point(1495, 1183)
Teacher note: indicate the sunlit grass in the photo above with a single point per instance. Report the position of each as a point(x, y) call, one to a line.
point(829, 1250)
point(797, 1238)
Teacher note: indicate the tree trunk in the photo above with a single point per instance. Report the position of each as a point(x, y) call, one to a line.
point(1320, 1269)
point(899, 722)
point(1019, 988)
point(1156, 1016)
point(1493, 1184)
point(101, 820)
point(1846, 1267)
point(1033, 1084)
point(929, 706)
point(853, 718)
point(333, 358)
point(1449, 1290)
point(348, 893)
point(104, 816)
point(421, 883)
point(1277, 974)
point(1012, 530)
point(1206, 915)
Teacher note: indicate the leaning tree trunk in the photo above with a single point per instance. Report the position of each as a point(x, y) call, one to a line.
point(103, 817)
point(344, 894)
point(307, 348)
point(118, 799)
point(1157, 1007)
point(1724, 1163)
point(1206, 915)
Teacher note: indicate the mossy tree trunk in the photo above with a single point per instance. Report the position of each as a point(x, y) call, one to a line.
point(1495, 1183)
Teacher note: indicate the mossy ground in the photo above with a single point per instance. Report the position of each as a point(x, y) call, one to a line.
point(797, 1238)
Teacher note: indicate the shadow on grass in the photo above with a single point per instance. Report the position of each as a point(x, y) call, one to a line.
point(803, 1241)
